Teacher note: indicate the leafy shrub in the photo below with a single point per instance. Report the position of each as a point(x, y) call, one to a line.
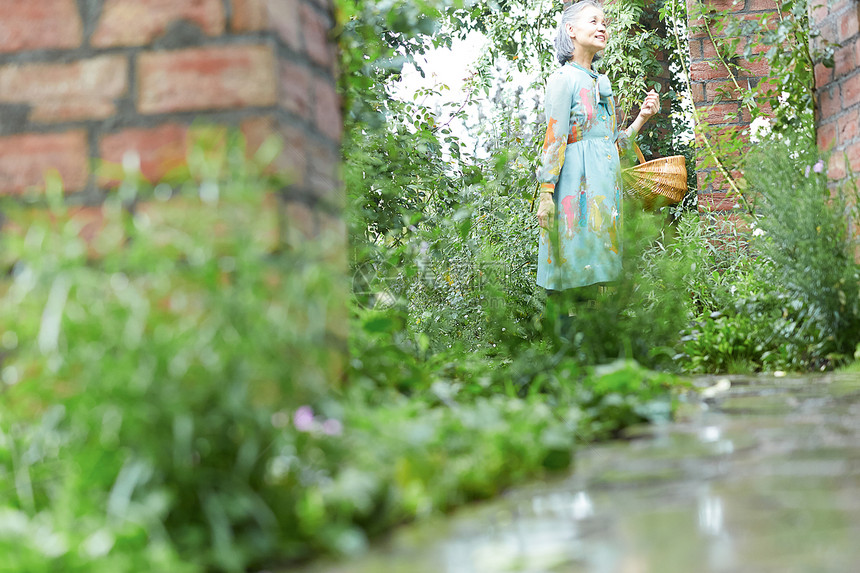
point(170, 399)
point(808, 240)
point(143, 371)
point(790, 299)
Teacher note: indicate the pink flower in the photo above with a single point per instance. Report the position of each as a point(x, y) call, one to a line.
point(332, 428)
point(818, 167)
point(303, 419)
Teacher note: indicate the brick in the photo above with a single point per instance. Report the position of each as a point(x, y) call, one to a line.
point(823, 75)
point(720, 113)
point(315, 28)
point(712, 179)
point(761, 5)
point(85, 89)
point(843, 61)
point(698, 92)
point(765, 88)
point(282, 17)
point(839, 6)
point(730, 5)
point(39, 25)
point(819, 10)
point(709, 52)
point(724, 90)
point(706, 71)
point(758, 69)
point(295, 88)
point(697, 29)
point(24, 160)
point(741, 132)
point(765, 108)
point(836, 167)
point(257, 129)
point(161, 149)
point(827, 34)
point(850, 90)
point(249, 15)
point(826, 136)
point(849, 127)
point(138, 22)
point(828, 102)
point(327, 109)
point(767, 20)
point(295, 154)
point(717, 201)
point(696, 50)
point(324, 166)
point(853, 154)
point(857, 50)
point(849, 25)
point(207, 78)
point(756, 48)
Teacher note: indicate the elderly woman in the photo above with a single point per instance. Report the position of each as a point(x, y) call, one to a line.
point(580, 196)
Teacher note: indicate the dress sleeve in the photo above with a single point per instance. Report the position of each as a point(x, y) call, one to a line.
point(559, 93)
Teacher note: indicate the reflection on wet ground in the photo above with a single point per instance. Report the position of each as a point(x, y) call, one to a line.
point(757, 475)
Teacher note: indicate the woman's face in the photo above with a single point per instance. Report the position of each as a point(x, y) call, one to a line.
point(588, 32)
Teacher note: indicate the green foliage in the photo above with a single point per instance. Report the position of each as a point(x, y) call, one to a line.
point(641, 315)
point(784, 100)
point(807, 238)
point(144, 370)
point(170, 397)
point(784, 40)
point(789, 298)
point(622, 394)
point(170, 390)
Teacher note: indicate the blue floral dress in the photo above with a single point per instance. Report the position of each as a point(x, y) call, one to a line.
point(580, 164)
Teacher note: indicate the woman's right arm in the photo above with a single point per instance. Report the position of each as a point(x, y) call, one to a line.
point(558, 101)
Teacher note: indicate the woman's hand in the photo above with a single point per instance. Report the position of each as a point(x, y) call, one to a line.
point(546, 210)
point(650, 106)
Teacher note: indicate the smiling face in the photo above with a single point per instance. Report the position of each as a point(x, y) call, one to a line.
point(588, 32)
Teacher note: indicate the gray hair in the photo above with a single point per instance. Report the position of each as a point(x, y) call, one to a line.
point(572, 13)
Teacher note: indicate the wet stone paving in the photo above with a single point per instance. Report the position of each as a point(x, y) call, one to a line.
point(757, 474)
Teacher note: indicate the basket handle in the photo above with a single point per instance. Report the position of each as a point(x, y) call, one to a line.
point(639, 153)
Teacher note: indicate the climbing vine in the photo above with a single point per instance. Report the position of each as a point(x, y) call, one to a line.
point(783, 103)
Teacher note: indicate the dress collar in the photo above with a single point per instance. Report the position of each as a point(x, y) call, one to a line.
point(591, 73)
point(602, 80)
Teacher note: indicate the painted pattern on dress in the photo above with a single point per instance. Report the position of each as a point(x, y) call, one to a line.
point(583, 247)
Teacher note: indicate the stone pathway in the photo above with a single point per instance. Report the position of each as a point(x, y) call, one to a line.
point(758, 475)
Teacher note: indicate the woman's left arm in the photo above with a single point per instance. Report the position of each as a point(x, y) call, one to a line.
point(647, 110)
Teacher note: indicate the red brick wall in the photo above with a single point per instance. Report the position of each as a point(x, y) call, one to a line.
point(96, 78)
point(86, 79)
point(714, 95)
point(838, 88)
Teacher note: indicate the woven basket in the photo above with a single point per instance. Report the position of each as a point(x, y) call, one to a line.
point(662, 180)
